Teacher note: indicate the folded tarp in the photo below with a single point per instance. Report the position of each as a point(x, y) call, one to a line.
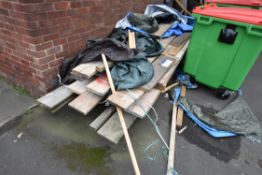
point(235, 118)
point(177, 29)
point(113, 49)
point(141, 21)
point(145, 43)
point(158, 10)
point(133, 73)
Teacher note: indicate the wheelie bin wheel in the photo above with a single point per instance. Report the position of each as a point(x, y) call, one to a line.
point(223, 94)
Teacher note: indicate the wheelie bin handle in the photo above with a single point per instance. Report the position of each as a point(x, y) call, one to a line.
point(204, 20)
point(252, 30)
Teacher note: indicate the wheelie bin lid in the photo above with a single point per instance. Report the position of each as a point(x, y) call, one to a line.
point(238, 2)
point(250, 16)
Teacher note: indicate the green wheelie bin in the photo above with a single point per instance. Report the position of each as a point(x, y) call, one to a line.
point(225, 43)
point(255, 4)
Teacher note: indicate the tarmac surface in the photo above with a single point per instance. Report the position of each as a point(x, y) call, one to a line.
point(63, 143)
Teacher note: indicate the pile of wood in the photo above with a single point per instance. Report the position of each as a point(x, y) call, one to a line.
point(91, 86)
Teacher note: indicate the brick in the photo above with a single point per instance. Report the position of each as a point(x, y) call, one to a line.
point(39, 54)
point(33, 40)
point(18, 15)
point(30, 1)
point(10, 27)
point(62, 5)
point(54, 50)
point(59, 42)
point(36, 16)
point(39, 67)
point(51, 37)
point(47, 23)
point(57, 14)
point(46, 60)
point(4, 12)
point(75, 4)
point(43, 46)
point(6, 5)
point(24, 8)
point(56, 62)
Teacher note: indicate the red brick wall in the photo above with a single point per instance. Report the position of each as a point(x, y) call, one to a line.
point(37, 35)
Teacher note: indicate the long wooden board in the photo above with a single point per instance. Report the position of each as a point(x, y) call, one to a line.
point(124, 99)
point(87, 70)
point(99, 86)
point(180, 112)
point(101, 119)
point(79, 87)
point(161, 30)
point(112, 130)
point(143, 105)
point(85, 102)
point(172, 143)
point(55, 97)
point(161, 66)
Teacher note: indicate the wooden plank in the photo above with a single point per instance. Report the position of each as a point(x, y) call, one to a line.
point(101, 68)
point(180, 40)
point(170, 87)
point(143, 105)
point(180, 112)
point(122, 121)
point(55, 97)
point(80, 68)
point(131, 39)
point(161, 66)
point(176, 44)
point(90, 69)
point(99, 86)
point(85, 102)
point(183, 7)
point(101, 119)
point(165, 79)
point(112, 130)
point(124, 99)
point(79, 87)
point(61, 105)
point(87, 70)
point(172, 143)
point(163, 42)
point(161, 30)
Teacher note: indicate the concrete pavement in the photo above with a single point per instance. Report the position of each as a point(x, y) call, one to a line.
point(63, 143)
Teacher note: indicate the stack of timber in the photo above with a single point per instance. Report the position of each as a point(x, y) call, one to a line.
point(91, 87)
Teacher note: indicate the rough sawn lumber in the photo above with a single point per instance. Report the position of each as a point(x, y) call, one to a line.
point(79, 87)
point(160, 68)
point(99, 86)
point(87, 70)
point(124, 99)
point(101, 119)
point(55, 97)
point(143, 105)
point(165, 79)
point(180, 112)
point(85, 102)
point(112, 130)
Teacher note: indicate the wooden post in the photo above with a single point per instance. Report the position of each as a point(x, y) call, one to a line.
point(169, 87)
point(172, 143)
point(131, 39)
point(180, 112)
point(122, 120)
